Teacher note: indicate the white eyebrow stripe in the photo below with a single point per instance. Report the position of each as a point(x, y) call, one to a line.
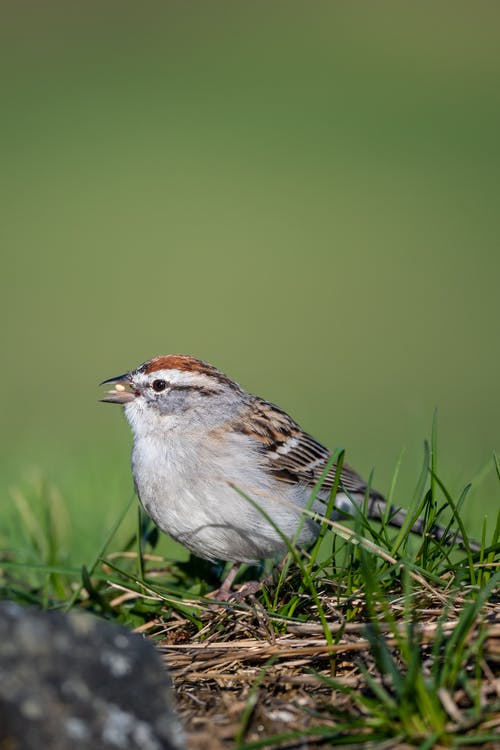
point(184, 378)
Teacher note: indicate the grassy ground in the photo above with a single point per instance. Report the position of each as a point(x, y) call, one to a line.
point(370, 639)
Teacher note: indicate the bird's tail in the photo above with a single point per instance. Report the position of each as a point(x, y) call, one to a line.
point(377, 510)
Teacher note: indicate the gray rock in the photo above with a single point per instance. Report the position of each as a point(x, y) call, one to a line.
point(73, 682)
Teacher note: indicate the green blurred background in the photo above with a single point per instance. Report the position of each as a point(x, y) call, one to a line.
point(304, 194)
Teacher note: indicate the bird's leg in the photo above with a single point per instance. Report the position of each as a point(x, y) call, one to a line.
point(223, 593)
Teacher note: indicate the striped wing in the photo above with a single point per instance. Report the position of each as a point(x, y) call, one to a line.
point(293, 455)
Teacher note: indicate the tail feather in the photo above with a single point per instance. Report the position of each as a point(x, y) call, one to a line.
point(377, 510)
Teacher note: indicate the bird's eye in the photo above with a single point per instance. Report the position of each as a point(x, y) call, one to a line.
point(159, 385)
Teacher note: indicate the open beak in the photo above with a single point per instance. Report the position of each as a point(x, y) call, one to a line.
point(123, 391)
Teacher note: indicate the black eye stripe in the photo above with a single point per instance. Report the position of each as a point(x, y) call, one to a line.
point(203, 390)
point(160, 385)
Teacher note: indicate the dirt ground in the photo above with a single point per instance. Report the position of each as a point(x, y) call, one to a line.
point(238, 682)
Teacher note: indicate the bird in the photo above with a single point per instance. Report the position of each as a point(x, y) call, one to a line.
point(226, 473)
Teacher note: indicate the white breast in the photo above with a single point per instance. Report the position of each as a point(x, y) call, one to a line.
point(184, 483)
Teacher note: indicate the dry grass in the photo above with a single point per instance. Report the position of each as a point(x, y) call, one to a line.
point(237, 681)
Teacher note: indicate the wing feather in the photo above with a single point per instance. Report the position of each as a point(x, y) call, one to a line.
point(293, 455)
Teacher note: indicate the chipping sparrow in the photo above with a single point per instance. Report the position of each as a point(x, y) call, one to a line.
point(198, 435)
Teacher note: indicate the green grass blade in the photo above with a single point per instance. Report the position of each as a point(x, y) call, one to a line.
point(102, 550)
